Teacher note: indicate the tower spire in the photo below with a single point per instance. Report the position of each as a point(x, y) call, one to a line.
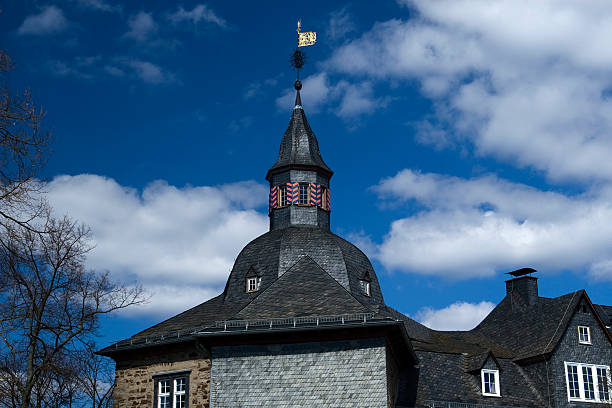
point(299, 180)
point(298, 100)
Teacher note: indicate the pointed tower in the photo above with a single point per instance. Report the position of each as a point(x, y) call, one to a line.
point(299, 180)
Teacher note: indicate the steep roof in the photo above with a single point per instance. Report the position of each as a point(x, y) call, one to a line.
point(304, 290)
point(514, 329)
point(299, 147)
point(605, 312)
point(273, 253)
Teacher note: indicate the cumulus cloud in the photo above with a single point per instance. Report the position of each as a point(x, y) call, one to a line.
point(142, 27)
point(344, 99)
point(458, 316)
point(179, 243)
point(50, 20)
point(535, 94)
point(199, 14)
point(475, 227)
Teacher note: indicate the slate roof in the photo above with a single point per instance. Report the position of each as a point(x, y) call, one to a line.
point(274, 252)
point(504, 330)
point(606, 314)
point(299, 147)
point(444, 377)
point(304, 289)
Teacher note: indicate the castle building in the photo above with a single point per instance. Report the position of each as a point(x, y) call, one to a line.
point(302, 322)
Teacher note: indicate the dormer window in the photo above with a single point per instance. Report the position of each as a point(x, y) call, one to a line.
point(252, 284)
point(253, 281)
point(584, 335)
point(490, 383)
point(365, 283)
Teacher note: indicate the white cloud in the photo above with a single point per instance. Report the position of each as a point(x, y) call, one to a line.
point(142, 27)
point(151, 73)
point(340, 24)
point(92, 67)
point(475, 227)
point(50, 20)
point(200, 13)
point(99, 5)
point(534, 94)
point(345, 99)
point(358, 99)
point(179, 243)
point(315, 91)
point(458, 316)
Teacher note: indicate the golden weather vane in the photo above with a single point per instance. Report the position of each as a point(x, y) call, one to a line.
point(305, 38)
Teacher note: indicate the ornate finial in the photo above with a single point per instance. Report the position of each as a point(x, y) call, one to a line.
point(298, 58)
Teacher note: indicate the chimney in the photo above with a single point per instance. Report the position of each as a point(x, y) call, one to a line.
point(524, 285)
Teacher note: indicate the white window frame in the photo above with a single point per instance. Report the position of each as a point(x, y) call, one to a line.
point(178, 393)
point(581, 338)
point(161, 394)
point(173, 393)
point(282, 195)
point(593, 368)
point(255, 281)
point(495, 373)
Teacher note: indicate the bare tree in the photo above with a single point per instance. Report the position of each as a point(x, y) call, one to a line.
point(50, 304)
point(23, 149)
point(50, 308)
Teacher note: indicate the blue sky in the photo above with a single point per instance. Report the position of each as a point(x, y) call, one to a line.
point(464, 144)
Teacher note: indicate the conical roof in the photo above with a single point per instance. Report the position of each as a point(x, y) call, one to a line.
point(299, 148)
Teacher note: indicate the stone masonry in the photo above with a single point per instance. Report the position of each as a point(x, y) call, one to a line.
point(325, 374)
point(134, 386)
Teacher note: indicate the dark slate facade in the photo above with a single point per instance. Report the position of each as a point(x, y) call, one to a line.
point(302, 322)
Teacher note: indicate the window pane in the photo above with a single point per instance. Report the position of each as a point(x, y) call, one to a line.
point(304, 194)
point(164, 401)
point(583, 334)
point(602, 382)
point(587, 378)
point(282, 196)
point(572, 381)
point(180, 385)
point(180, 401)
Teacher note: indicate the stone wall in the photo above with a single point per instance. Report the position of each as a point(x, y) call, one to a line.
point(134, 375)
point(323, 374)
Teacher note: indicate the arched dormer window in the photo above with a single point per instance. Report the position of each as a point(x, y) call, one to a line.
point(253, 281)
point(366, 284)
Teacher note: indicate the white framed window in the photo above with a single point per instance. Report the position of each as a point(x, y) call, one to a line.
point(252, 284)
point(304, 194)
point(587, 382)
point(172, 391)
point(584, 335)
point(366, 287)
point(490, 382)
point(282, 195)
point(180, 393)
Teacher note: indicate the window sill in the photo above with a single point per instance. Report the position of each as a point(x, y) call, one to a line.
point(586, 400)
point(586, 344)
point(491, 395)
